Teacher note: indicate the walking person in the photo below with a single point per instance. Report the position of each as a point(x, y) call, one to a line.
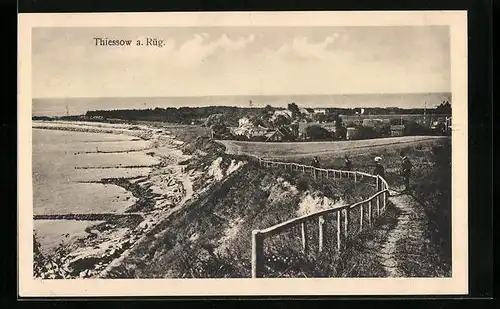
point(379, 171)
point(347, 163)
point(315, 162)
point(406, 167)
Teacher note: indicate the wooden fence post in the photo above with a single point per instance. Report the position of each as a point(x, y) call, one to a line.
point(361, 218)
point(304, 237)
point(326, 174)
point(385, 200)
point(378, 205)
point(339, 227)
point(346, 226)
point(370, 213)
point(321, 222)
point(257, 254)
point(355, 178)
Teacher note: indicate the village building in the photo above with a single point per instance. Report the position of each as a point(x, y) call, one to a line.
point(375, 122)
point(257, 131)
point(302, 127)
point(351, 133)
point(280, 135)
point(284, 112)
point(320, 111)
point(397, 130)
point(304, 111)
point(244, 122)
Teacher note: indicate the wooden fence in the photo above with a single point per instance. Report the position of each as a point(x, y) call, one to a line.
point(369, 210)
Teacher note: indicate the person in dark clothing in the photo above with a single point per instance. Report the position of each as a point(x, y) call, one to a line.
point(406, 167)
point(315, 162)
point(347, 163)
point(379, 170)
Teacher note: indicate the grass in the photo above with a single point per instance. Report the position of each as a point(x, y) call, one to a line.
point(194, 241)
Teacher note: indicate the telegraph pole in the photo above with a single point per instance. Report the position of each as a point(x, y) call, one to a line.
point(425, 109)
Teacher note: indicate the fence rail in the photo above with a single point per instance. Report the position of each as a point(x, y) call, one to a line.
point(369, 209)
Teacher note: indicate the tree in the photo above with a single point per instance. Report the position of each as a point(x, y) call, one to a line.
point(267, 110)
point(340, 129)
point(414, 128)
point(444, 108)
point(366, 133)
point(220, 131)
point(214, 119)
point(294, 109)
point(316, 132)
point(282, 121)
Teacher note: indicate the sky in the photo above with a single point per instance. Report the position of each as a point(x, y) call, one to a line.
point(240, 61)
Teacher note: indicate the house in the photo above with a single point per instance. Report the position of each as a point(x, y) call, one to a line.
point(304, 111)
point(280, 134)
point(351, 133)
point(320, 111)
point(244, 122)
point(397, 130)
point(330, 126)
point(238, 130)
point(448, 123)
point(374, 122)
point(284, 112)
point(257, 131)
point(97, 117)
point(302, 127)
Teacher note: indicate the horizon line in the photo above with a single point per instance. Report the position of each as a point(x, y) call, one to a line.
point(235, 95)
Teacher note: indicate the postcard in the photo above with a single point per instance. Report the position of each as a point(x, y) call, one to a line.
point(242, 153)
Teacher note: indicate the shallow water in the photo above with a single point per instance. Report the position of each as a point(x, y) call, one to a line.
point(56, 183)
point(50, 233)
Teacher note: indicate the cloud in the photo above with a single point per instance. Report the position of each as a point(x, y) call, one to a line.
point(197, 49)
point(301, 47)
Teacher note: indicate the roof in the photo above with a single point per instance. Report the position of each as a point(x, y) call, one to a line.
point(283, 131)
point(397, 127)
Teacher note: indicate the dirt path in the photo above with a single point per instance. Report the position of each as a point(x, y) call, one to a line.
point(401, 254)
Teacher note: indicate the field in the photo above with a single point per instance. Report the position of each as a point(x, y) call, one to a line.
point(309, 149)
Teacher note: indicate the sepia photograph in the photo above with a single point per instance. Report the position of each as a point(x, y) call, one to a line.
point(246, 150)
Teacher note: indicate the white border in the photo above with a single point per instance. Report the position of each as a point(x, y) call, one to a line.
point(458, 284)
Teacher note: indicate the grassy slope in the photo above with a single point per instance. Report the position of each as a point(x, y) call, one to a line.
point(189, 244)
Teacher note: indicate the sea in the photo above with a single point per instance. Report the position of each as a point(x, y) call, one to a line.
point(59, 188)
point(79, 106)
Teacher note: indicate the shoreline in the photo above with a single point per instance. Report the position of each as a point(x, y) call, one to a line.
point(165, 189)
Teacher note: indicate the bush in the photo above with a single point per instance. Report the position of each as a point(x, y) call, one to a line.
point(318, 132)
point(414, 128)
point(366, 133)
